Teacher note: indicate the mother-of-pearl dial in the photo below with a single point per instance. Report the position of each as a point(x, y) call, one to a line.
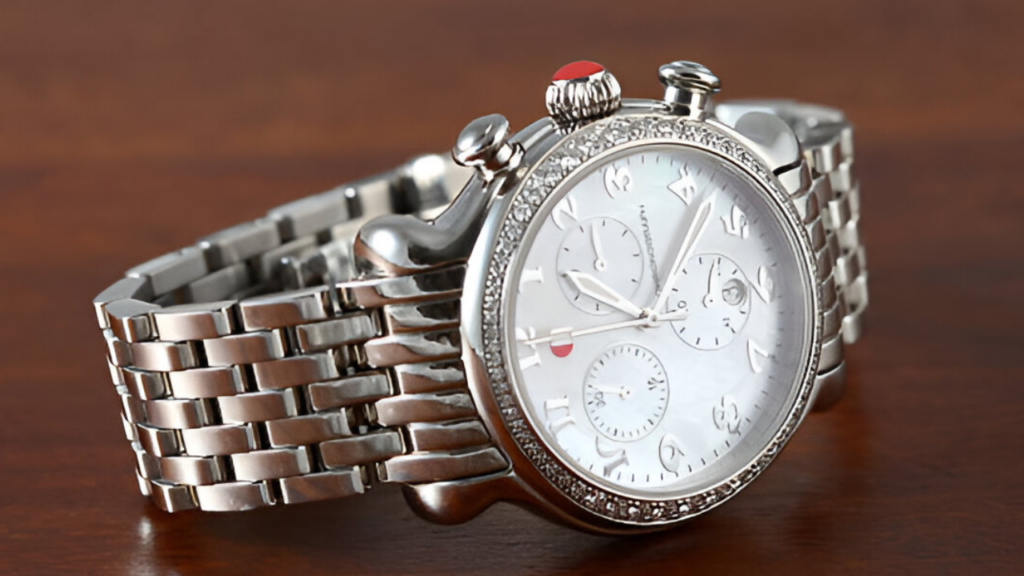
point(712, 406)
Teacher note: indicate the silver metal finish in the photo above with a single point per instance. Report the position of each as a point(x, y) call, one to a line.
point(483, 144)
point(688, 87)
point(337, 342)
point(250, 366)
point(580, 92)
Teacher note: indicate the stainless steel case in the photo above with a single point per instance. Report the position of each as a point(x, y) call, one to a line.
point(479, 214)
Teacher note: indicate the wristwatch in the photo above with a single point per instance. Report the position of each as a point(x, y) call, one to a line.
point(616, 317)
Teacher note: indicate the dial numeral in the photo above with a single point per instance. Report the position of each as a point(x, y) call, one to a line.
point(669, 452)
point(736, 223)
point(618, 456)
point(685, 187)
point(764, 284)
point(559, 420)
point(617, 180)
point(727, 415)
point(565, 207)
point(753, 352)
point(523, 336)
point(531, 275)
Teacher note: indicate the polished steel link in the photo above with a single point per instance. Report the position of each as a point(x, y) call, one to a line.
point(233, 496)
point(365, 449)
point(413, 348)
point(431, 436)
point(323, 485)
point(271, 464)
point(219, 440)
point(247, 348)
point(253, 370)
point(311, 429)
point(296, 371)
point(259, 406)
point(440, 466)
point(197, 321)
point(348, 391)
point(205, 382)
point(434, 407)
point(239, 243)
point(224, 283)
point(347, 329)
point(430, 377)
point(172, 271)
point(285, 309)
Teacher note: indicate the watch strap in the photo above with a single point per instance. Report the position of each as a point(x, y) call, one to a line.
point(254, 370)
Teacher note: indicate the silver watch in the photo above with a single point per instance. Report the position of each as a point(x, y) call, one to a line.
point(617, 317)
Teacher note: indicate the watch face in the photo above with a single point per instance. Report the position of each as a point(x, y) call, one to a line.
point(658, 320)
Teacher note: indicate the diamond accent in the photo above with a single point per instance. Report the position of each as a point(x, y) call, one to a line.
point(588, 142)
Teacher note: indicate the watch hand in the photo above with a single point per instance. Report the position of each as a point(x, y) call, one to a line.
point(585, 331)
point(590, 286)
point(713, 287)
point(600, 264)
point(693, 233)
point(621, 391)
point(638, 323)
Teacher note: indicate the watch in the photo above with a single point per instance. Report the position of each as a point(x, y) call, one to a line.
point(616, 317)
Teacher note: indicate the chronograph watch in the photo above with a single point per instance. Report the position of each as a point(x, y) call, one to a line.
point(617, 316)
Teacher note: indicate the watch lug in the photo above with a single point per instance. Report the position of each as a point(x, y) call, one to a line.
point(829, 388)
point(396, 245)
point(769, 136)
point(458, 501)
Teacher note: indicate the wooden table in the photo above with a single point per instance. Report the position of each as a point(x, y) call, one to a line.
point(128, 129)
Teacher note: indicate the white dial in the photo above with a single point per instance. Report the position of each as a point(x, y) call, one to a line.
point(713, 291)
point(626, 393)
point(604, 249)
point(675, 415)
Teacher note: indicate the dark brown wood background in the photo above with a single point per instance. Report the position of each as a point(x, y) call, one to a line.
point(128, 129)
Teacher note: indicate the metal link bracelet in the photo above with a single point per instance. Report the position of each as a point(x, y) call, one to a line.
point(253, 371)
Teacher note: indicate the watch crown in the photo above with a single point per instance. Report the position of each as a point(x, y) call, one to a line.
point(483, 144)
point(580, 92)
point(688, 86)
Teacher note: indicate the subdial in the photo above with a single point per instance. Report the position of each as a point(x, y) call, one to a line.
point(626, 392)
point(605, 249)
point(716, 295)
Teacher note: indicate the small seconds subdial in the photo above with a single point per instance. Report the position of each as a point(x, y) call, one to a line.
point(605, 249)
point(626, 392)
point(716, 295)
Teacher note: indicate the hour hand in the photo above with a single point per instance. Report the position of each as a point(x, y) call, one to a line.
point(594, 288)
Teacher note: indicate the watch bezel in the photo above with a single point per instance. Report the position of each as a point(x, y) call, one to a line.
point(560, 161)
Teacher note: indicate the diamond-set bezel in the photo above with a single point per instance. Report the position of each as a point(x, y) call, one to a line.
point(597, 139)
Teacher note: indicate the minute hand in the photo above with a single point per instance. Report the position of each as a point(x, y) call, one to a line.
point(693, 234)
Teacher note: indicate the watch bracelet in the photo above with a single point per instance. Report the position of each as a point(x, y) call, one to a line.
point(253, 370)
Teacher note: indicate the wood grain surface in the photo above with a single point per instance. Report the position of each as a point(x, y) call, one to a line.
point(131, 128)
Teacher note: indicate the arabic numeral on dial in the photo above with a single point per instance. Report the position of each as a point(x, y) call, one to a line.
point(736, 223)
point(524, 336)
point(685, 187)
point(617, 456)
point(754, 354)
point(617, 180)
point(670, 453)
point(565, 207)
point(726, 415)
point(764, 285)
